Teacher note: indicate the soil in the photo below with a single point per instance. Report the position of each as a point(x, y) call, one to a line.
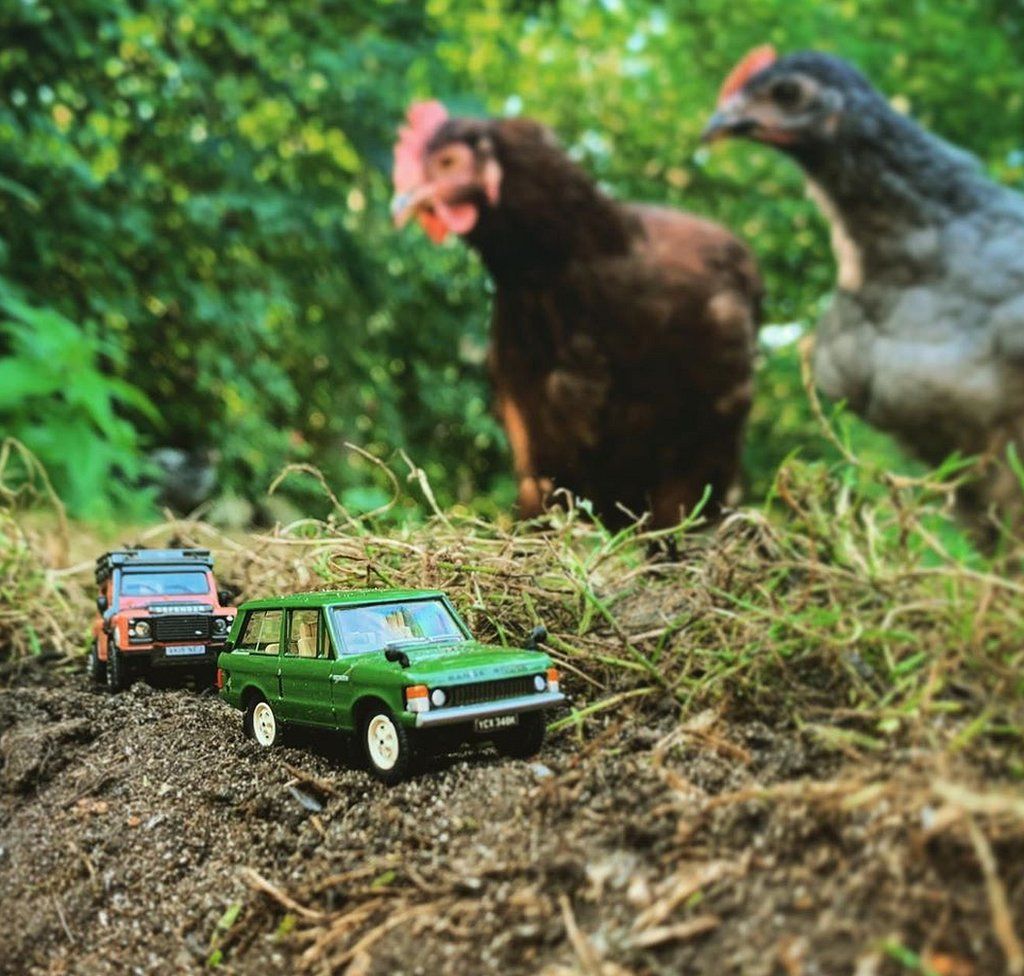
point(141, 833)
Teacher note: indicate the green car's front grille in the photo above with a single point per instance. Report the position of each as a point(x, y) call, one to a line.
point(485, 691)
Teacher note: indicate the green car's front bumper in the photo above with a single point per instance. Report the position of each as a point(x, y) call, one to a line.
point(505, 706)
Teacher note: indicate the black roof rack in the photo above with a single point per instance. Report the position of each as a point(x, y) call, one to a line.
point(147, 558)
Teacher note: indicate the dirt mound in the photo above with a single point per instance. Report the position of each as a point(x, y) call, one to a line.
point(142, 833)
point(794, 751)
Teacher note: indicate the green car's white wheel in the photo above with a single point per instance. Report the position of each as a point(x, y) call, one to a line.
point(264, 725)
point(382, 741)
point(386, 745)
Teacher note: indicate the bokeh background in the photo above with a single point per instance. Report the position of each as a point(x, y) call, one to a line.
point(196, 252)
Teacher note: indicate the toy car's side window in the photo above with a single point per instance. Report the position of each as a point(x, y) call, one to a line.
point(306, 636)
point(261, 632)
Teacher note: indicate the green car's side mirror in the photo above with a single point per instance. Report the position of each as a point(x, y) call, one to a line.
point(537, 637)
point(393, 654)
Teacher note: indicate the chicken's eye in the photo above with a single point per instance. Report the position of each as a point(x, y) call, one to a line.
point(447, 161)
point(786, 93)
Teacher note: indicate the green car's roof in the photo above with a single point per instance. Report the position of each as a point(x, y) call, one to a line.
point(329, 598)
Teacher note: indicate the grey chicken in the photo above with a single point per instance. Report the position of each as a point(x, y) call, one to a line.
point(925, 335)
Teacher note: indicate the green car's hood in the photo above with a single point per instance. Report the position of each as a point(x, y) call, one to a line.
point(470, 661)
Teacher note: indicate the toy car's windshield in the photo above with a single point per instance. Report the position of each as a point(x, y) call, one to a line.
point(164, 584)
point(383, 625)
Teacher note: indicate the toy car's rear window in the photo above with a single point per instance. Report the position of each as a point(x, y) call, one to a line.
point(164, 584)
point(381, 625)
point(261, 632)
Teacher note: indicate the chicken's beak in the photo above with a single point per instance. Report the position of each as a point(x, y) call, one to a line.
point(405, 205)
point(726, 122)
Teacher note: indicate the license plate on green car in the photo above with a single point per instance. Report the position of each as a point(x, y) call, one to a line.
point(493, 723)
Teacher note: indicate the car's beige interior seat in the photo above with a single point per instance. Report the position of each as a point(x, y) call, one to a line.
point(305, 637)
point(266, 625)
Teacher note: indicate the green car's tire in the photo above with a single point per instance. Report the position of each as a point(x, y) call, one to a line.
point(94, 667)
point(261, 724)
point(385, 744)
point(525, 740)
point(117, 676)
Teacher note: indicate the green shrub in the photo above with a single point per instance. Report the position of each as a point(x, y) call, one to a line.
point(57, 400)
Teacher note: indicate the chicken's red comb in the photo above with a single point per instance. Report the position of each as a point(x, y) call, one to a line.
point(424, 119)
point(753, 62)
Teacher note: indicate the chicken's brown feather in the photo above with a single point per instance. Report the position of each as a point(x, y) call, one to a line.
point(622, 335)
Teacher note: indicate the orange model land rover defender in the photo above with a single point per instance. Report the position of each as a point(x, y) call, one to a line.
point(158, 609)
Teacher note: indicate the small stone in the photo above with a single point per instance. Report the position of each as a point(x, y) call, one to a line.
point(308, 802)
point(638, 894)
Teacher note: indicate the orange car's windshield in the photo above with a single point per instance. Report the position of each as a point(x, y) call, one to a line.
point(164, 584)
point(382, 625)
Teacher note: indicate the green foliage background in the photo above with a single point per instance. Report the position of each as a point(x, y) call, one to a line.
point(195, 247)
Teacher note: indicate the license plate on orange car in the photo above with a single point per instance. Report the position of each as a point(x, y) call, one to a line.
point(185, 650)
point(494, 723)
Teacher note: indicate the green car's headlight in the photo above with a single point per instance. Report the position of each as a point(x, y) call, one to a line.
point(416, 698)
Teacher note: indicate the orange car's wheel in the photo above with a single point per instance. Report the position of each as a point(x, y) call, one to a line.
point(94, 667)
point(117, 677)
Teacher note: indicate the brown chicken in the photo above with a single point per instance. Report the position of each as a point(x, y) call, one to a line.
point(622, 335)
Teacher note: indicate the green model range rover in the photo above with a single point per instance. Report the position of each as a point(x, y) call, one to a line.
point(397, 668)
